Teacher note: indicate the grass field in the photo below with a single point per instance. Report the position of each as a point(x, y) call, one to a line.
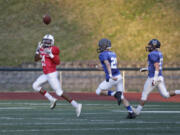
point(98, 117)
point(77, 25)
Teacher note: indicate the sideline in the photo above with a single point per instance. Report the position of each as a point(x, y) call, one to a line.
point(131, 96)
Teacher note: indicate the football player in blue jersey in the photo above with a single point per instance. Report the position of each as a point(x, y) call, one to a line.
point(155, 76)
point(108, 61)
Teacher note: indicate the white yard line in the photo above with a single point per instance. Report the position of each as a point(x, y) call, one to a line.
point(85, 129)
point(10, 118)
point(87, 122)
point(32, 104)
point(151, 111)
point(14, 108)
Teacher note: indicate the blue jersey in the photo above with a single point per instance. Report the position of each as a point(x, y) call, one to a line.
point(153, 57)
point(111, 57)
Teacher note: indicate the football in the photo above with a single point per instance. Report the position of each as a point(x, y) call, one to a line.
point(46, 19)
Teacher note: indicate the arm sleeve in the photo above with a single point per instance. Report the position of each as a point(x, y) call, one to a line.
point(56, 59)
point(103, 57)
point(56, 51)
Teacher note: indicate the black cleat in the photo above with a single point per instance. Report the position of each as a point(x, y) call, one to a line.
point(118, 97)
point(131, 115)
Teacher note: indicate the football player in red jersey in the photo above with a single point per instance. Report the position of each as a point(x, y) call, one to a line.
point(49, 56)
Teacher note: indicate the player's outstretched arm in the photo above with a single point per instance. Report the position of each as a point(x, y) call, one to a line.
point(37, 55)
point(54, 55)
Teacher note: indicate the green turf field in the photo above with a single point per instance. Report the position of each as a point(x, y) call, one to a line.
point(97, 118)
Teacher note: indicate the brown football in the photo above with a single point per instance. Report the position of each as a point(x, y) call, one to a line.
point(46, 19)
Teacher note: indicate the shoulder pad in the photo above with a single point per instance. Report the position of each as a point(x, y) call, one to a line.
point(55, 50)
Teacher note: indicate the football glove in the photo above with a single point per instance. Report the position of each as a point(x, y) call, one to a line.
point(49, 52)
point(112, 77)
point(143, 69)
point(38, 47)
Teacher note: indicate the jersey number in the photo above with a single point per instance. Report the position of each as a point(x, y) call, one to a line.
point(113, 63)
point(43, 61)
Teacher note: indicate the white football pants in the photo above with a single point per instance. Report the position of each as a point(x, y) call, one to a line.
point(148, 87)
point(108, 85)
point(53, 80)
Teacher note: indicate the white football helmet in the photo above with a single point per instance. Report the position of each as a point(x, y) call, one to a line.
point(48, 40)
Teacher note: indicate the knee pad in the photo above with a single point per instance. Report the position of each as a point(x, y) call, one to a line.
point(98, 91)
point(144, 97)
point(59, 92)
point(166, 95)
point(36, 87)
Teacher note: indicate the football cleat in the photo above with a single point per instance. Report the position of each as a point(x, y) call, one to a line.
point(118, 96)
point(131, 115)
point(53, 104)
point(78, 110)
point(136, 111)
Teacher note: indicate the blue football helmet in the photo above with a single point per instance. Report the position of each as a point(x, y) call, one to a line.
point(152, 45)
point(103, 45)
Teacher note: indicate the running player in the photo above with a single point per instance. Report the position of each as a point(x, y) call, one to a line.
point(155, 76)
point(49, 56)
point(108, 61)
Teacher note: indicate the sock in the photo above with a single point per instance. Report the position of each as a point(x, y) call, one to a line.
point(74, 103)
point(129, 109)
point(139, 108)
point(111, 93)
point(177, 91)
point(49, 97)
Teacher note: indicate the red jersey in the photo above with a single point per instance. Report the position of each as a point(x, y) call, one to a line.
point(49, 64)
